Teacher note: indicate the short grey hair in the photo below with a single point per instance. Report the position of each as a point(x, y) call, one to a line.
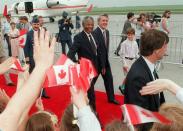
point(86, 18)
point(105, 15)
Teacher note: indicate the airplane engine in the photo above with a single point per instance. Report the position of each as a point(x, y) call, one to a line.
point(51, 3)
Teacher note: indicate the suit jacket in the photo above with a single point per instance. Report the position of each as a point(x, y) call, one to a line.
point(64, 30)
point(104, 49)
point(28, 49)
point(83, 48)
point(138, 76)
point(127, 25)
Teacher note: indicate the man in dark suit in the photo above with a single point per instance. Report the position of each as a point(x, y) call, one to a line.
point(29, 47)
point(65, 26)
point(153, 47)
point(102, 36)
point(85, 45)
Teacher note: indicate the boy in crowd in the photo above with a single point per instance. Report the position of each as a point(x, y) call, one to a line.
point(129, 51)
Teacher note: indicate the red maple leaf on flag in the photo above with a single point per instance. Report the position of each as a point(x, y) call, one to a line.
point(62, 74)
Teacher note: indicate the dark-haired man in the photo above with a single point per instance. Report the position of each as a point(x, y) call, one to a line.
point(153, 47)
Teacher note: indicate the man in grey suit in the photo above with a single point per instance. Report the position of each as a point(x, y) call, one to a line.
point(127, 24)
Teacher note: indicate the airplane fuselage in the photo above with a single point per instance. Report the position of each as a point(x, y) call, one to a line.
point(47, 8)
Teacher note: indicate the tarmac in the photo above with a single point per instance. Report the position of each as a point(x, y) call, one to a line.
point(169, 71)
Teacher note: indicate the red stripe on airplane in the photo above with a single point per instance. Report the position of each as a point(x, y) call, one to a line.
point(60, 7)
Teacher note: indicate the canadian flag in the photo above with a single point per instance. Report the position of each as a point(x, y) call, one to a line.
point(5, 12)
point(63, 60)
point(65, 72)
point(17, 66)
point(22, 37)
point(134, 115)
point(87, 68)
point(59, 74)
point(79, 80)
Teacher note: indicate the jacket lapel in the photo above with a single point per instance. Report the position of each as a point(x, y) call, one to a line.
point(87, 42)
point(155, 97)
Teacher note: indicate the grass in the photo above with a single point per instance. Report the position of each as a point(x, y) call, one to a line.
point(175, 9)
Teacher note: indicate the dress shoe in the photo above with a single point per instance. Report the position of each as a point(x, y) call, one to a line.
point(45, 96)
point(114, 102)
point(10, 84)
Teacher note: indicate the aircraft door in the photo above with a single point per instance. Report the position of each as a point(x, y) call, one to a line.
point(29, 7)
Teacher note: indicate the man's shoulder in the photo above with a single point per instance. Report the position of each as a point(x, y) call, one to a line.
point(138, 68)
point(80, 34)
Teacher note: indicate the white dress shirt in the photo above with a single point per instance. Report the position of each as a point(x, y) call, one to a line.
point(129, 49)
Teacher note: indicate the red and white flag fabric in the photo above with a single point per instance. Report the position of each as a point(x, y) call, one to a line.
point(5, 12)
point(64, 60)
point(17, 66)
point(22, 37)
point(80, 81)
point(134, 115)
point(87, 68)
point(66, 72)
point(59, 74)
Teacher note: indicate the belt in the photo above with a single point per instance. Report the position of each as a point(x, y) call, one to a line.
point(129, 58)
point(14, 37)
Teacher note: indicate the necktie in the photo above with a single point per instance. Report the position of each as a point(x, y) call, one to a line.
point(93, 44)
point(155, 74)
point(105, 38)
point(161, 95)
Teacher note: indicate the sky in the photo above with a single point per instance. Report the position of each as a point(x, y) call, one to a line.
point(113, 3)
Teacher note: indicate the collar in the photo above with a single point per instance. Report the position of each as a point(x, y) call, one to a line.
point(101, 29)
point(87, 33)
point(149, 64)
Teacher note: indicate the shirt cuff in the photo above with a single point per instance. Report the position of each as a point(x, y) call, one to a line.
point(179, 95)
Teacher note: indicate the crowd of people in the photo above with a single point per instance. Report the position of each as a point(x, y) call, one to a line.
point(142, 45)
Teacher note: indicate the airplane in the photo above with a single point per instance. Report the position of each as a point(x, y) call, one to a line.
point(48, 8)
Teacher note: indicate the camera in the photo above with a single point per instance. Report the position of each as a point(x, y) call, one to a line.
point(68, 20)
point(155, 18)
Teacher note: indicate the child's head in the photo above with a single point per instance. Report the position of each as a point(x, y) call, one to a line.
point(42, 121)
point(13, 25)
point(130, 34)
point(68, 122)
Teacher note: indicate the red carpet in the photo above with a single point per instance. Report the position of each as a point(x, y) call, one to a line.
point(60, 98)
